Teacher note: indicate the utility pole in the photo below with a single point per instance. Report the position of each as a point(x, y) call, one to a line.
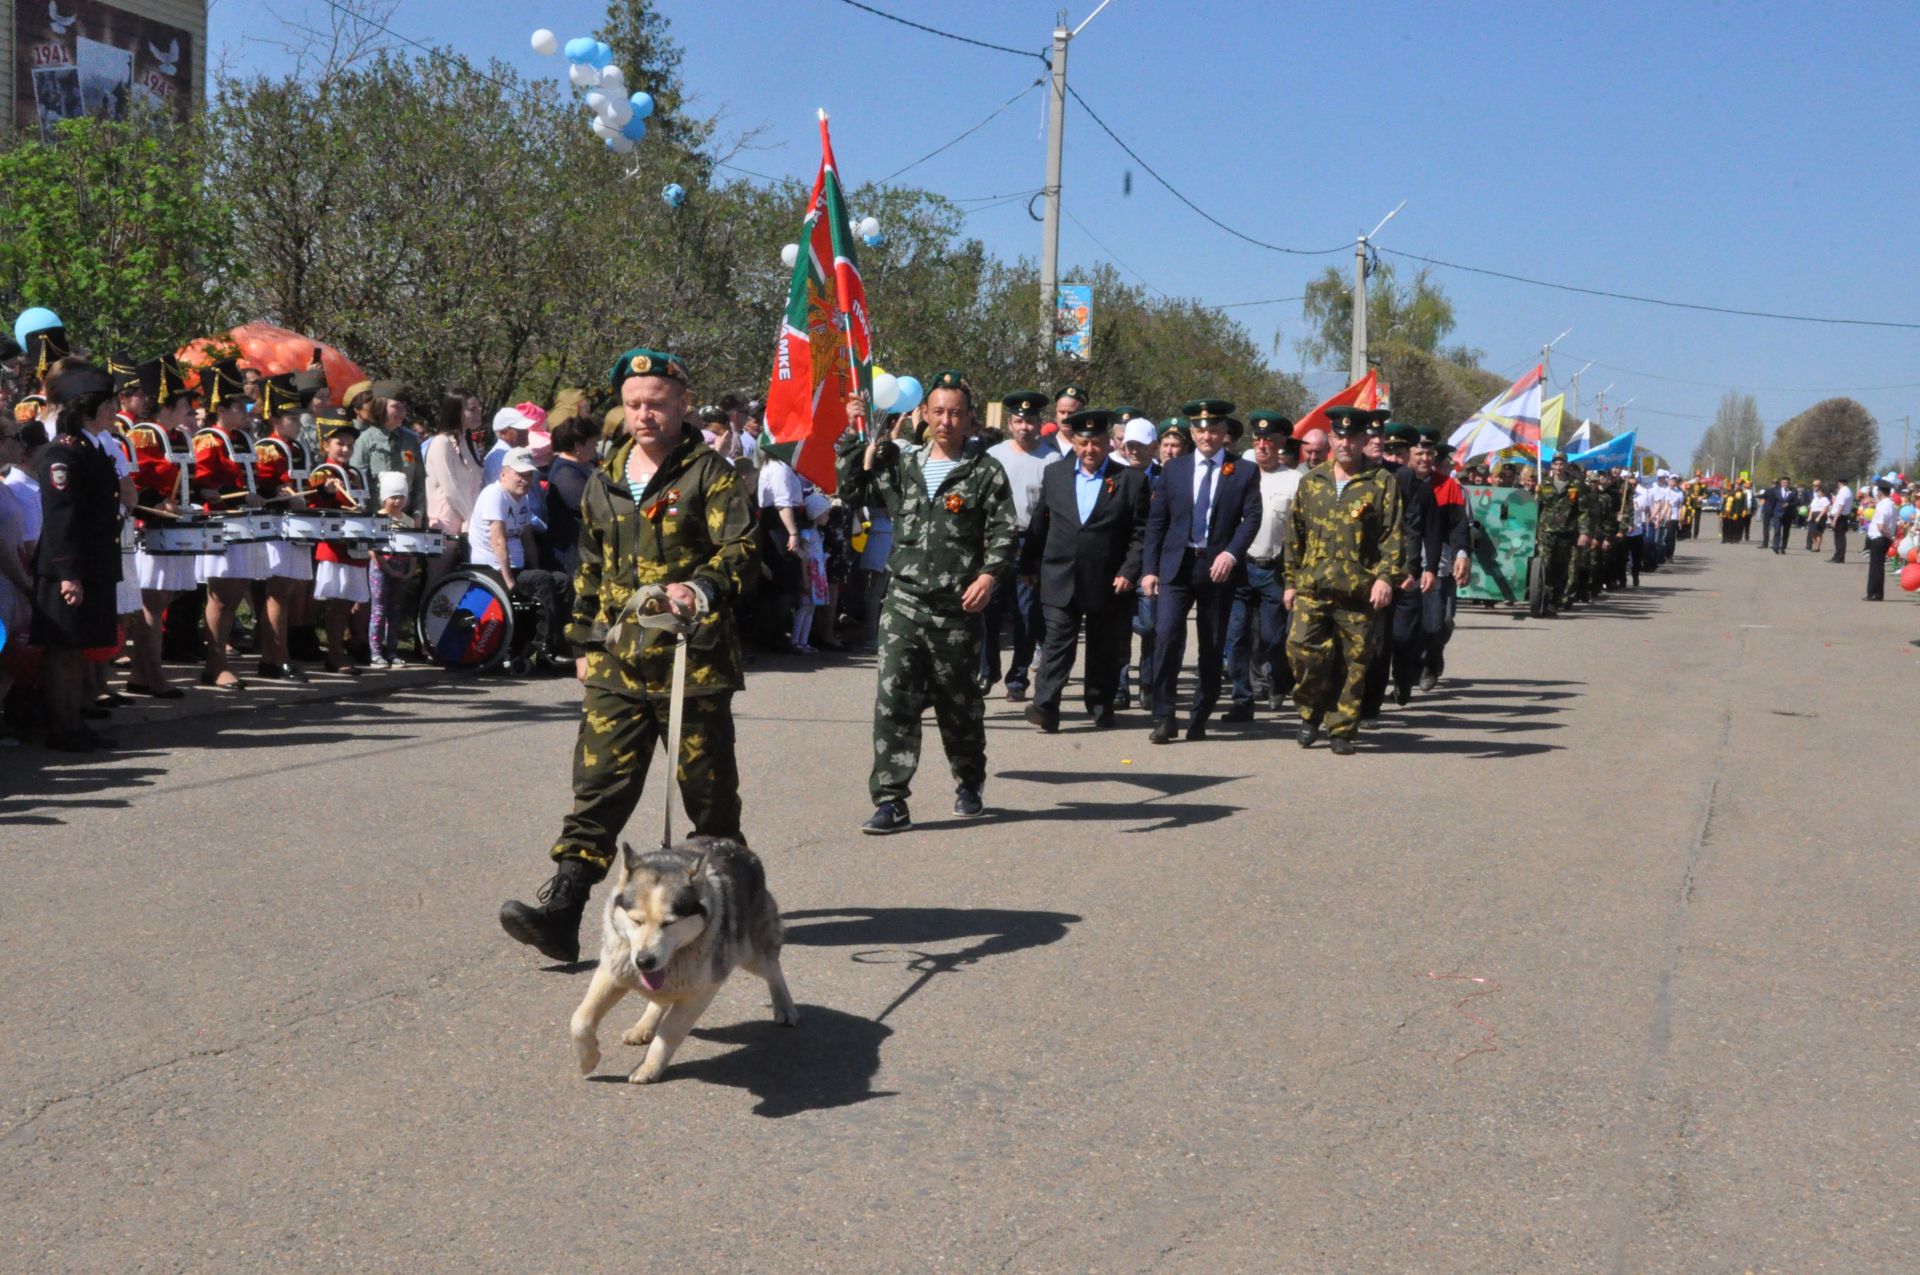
point(1050, 226)
point(1358, 365)
point(1056, 142)
point(1906, 444)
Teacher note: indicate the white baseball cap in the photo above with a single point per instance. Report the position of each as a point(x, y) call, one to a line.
point(511, 418)
point(520, 460)
point(1140, 430)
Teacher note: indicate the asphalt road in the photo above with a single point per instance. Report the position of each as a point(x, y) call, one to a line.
point(1601, 958)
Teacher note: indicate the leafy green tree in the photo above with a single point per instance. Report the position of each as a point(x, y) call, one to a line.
point(644, 49)
point(1835, 438)
point(115, 227)
point(1416, 315)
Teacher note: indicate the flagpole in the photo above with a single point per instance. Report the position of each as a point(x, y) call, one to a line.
point(846, 325)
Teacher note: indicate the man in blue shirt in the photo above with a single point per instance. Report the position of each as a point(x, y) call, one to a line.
point(1083, 552)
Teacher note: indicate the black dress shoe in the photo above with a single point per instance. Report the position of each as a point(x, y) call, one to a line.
point(1308, 732)
point(1196, 731)
point(1162, 731)
point(1103, 718)
point(1238, 713)
point(1402, 694)
point(1122, 702)
point(888, 816)
point(1038, 716)
point(1430, 681)
point(967, 803)
point(1340, 746)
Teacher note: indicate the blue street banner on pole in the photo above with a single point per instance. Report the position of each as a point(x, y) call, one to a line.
point(1073, 321)
point(1616, 453)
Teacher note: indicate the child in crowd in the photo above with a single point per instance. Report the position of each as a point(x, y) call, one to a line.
point(814, 591)
point(388, 579)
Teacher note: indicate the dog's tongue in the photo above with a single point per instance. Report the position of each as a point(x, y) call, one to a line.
point(652, 982)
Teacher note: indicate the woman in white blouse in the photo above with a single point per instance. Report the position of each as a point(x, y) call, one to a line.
point(454, 475)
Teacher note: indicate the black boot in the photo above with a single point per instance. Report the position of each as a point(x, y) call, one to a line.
point(552, 925)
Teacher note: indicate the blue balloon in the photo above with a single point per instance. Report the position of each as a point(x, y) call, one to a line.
point(642, 104)
point(910, 395)
point(874, 241)
point(580, 49)
point(635, 128)
point(602, 56)
point(674, 194)
point(1906, 513)
point(37, 319)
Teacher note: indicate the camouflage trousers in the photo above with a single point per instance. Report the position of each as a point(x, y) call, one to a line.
point(1330, 644)
point(1588, 577)
point(1556, 552)
point(619, 735)
point(926, 658)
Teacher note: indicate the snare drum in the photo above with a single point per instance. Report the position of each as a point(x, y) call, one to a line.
point(361, 529)
point(251, 528)
point(407, 542)
point(311, 526)
point(466, 621)
point(181, 539)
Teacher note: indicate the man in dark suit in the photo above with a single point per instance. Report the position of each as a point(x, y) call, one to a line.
point(1778, 507)
point(1083, 545)
point(1205, 511)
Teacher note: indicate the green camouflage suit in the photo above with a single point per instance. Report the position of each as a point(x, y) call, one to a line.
point(1339, 542)
point(692, 525)
point(1596, 521)
point(929, 646)
point(1558, 527)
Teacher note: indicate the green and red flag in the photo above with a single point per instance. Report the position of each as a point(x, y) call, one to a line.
point(825, 351)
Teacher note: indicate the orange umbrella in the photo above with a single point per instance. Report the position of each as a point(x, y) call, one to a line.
point(273, 351)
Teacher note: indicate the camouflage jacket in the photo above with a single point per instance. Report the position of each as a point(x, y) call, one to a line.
point(692, 525)
point(1560, 510)
point(943, 543)
point(1340, 542)
point(1599, 513)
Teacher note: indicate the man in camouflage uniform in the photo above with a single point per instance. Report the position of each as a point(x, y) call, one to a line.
point(664, 526)
point(953, 537)
point(1558, 530)
point(1597, 530)
point(1344, 554)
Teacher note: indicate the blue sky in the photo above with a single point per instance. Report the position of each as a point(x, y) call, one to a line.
point(1755, 156)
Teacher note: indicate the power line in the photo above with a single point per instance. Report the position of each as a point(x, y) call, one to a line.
point(1111, 254)
point(945, 35)
point(1766, 389)
point(455, 61)
point(1172, 190)
point(964, 136)
point(1659, 301)
point(1238, 305)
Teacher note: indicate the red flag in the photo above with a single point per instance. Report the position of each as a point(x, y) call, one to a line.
point(1362, 393)
point(825, 350)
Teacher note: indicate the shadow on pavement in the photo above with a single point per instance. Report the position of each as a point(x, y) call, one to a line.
point(828, 1061)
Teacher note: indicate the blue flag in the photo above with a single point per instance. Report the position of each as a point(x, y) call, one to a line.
point(1615, 453)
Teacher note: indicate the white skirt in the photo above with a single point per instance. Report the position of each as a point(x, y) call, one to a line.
point(239, 562)
point(126, 594)
point(289, 561)
point(166, 572)
point(340, 582)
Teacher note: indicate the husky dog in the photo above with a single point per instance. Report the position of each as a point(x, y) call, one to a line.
point(679, 921)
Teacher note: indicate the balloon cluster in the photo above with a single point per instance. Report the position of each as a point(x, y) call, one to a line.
point(896, 393)
point(619, 117)
point(867, 229)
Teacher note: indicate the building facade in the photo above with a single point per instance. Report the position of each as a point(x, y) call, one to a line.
point(112, 58)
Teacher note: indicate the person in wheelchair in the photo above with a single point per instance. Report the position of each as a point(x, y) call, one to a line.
point(500, 544)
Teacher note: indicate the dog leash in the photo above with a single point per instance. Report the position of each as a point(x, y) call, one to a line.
point(642, 606)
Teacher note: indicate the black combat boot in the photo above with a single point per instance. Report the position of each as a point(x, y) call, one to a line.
point(552, 925)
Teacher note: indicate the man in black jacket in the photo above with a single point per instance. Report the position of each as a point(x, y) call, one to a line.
point(1778, 506)
point(1083, 547)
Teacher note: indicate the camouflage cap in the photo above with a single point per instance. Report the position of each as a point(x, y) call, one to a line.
point(1027, 401)
point(641, 361)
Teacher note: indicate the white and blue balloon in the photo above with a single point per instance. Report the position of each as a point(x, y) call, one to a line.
point(619, 117)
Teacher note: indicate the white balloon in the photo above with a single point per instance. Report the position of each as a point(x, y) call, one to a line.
point(545, 42)
point(603, 129)
point(614, 78)
point(617, 111)
point(582, 75)
point(789, 255)
point(620, 145)
point(869, 227)
point(596, 101)
point(886, 390)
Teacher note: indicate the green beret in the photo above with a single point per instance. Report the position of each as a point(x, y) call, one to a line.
point(1025, 401)
point(1072, 391)
point(1203, 409)
point(1090, 422)
point(950, 380)
point(641, 361)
